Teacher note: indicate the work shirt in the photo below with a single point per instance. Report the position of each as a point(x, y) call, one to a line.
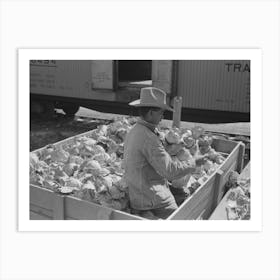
point(148, 167)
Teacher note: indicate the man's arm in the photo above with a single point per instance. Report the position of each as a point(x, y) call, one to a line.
point(163, 163)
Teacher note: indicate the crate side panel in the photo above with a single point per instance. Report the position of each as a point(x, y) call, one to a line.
point(38, 216)
point(119, 215)
point(41, 211)
point(224, 179)
point(200, 201)
point(41, 197)
point(78, 209)
point(230, 160)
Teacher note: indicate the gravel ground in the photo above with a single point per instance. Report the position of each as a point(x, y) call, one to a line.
point(52, 130)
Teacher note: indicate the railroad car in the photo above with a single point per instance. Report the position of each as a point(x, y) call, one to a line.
point(211, 90)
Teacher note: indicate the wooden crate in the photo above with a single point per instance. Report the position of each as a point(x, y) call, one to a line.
point(201, 204)
point(48, 205)
point(45, 204)
point(220, 212)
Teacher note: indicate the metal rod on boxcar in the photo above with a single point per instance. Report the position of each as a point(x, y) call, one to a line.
point(177, 111)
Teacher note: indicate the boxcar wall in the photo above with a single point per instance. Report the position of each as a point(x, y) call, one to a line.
point(216, 89)
point(212, 90)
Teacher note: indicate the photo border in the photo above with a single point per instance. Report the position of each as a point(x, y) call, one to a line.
point(25, 55)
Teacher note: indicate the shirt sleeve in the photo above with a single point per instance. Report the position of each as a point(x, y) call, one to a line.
point(161, 161)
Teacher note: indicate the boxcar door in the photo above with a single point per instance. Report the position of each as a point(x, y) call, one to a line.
point(102, 74)
point(162, 74)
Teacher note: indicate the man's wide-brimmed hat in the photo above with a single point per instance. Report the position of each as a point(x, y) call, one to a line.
point(152, 97)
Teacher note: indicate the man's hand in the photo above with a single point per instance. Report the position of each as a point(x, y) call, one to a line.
point(200, 160)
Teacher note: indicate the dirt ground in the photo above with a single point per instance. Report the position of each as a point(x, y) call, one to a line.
point(48, 131)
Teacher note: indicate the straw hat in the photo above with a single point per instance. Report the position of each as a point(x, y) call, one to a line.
point(152, 97)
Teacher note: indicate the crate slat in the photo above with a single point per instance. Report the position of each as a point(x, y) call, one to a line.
point(199, 201)
point(36, 216)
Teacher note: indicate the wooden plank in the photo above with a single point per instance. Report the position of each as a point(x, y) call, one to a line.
point(240, 159)
point(58, 207)
point(231, 159)
point(196, 203)
point(220, 212)
point(84, 210)
point(217, 188)
point(177, 111)
point(232, 163)
point(119, 215)
point(46, 203)
point(227, 172)
point(36, 216)
point(78, 209)
point(41, 197)
point(197, 214)
point(41, 211)
point(246, 172)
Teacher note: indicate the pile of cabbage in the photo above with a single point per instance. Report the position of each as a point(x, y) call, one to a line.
point(185, 145)
point(238, 199)
point(90, 166)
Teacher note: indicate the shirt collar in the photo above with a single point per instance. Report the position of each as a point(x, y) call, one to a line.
point(151, 126)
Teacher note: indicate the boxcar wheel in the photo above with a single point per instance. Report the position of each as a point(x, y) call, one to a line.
point(70, 109)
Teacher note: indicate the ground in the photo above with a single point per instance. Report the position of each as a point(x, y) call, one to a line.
point(57, 128)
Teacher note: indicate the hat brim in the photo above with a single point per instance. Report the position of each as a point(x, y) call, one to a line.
point(137, 103)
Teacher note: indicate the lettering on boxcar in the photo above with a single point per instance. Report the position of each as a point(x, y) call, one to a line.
point(237, 67)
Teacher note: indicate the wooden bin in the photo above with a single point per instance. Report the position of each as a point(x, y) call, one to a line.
point(204, 200)
point(46, 204)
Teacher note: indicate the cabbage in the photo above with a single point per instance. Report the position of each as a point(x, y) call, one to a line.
point(121, 184)
point(197, 131)
point(215, 156)
point(70, 168)
point(172, 137)
point(101, 158)
point(36, 179)
point(46, 153)
point(121, 133)
point(107, 182)
point(102, 130)
point(73, 183)
point(91, 166)
point(73, 151)
point(173, 149)
point(187, 133)
point(184, 155)
point(238, 206)
point(59, 155)
point(121, 124)
point(33, 161)
point(59, 172)
point(75, 159)
point(115, 192)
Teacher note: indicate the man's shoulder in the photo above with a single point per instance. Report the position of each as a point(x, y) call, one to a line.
point(143, 132)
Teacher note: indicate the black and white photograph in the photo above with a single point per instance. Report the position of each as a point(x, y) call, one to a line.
point(140, 139)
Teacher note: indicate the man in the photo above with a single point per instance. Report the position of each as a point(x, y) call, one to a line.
point(148, 167)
